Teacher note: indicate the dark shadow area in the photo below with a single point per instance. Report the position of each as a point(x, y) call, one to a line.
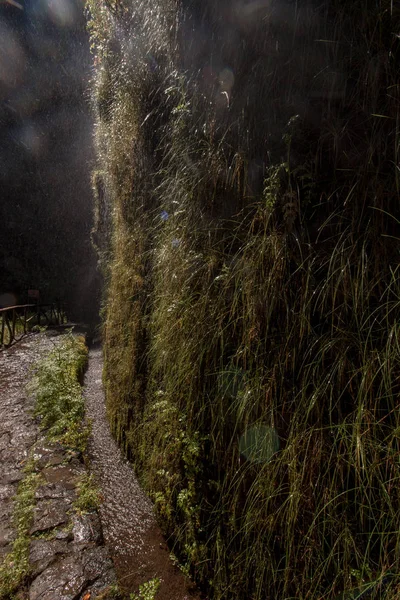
point(45, 156)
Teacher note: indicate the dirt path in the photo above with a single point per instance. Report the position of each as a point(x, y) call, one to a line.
point(136, 543)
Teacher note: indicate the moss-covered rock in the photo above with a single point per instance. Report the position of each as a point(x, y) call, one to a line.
point(247, 153)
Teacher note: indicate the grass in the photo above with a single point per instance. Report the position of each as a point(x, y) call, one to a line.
point(60, 406)
point(15, 567)
point(59, 400)
point(251, 260)
point(88, 495)
point(147, 591)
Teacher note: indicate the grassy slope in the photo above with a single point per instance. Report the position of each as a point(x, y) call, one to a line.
point(267, 292)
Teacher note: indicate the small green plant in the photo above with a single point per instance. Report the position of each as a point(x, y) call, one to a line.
point(88, 494)
point(147, 591)
point(58, 393)
point(15, 566)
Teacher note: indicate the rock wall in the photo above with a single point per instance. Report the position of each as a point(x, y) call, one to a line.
point(247, 223)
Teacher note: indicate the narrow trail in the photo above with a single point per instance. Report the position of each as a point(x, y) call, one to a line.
point(69, 559)
point(136, 543)
point(66, 554)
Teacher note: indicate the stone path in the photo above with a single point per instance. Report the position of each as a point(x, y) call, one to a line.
point(68, 558)
point(18, 432)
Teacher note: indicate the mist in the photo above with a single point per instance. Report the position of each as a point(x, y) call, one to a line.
point(45, 154)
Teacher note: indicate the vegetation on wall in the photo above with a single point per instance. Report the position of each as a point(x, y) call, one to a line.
point(247, 220)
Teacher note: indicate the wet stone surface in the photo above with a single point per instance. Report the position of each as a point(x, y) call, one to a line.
point(67, 556)
point(64, 580)
point(49, 514)
point(87, 529)
point(43, 553)
point(18, 430)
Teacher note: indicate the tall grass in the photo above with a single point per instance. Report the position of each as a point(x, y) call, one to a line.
point(252, 266)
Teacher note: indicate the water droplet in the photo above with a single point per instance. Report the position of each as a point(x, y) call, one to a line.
point(259, 443)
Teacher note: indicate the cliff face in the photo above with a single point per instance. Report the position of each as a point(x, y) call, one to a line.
point(247, 222)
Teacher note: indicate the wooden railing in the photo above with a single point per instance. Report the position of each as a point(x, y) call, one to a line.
point(17, 321)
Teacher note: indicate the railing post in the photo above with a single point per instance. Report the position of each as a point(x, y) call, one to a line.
point(9, 329)
point(3, 323)
point(14, 322)
point(15, 316)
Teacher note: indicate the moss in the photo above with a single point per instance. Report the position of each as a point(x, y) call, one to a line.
point(88, 494)
point(147, 591)
point(15, 567)
point(59, 400)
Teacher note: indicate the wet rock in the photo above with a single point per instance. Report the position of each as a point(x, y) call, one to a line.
point(87, 529)
point(4, 440)
point(44, 552)
point(76, 463)
point(57, 459)
point(64, 534)
point(44, 453)
point(7, 534)
point(7, 491)
point(23, 437)
point(6, 509)
point(54, 490)
point(49, 514)
point(97, 564)
point(65, 475)
point(11, 476)
point(68, 562)
point(8, 457)
point(63, 580)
